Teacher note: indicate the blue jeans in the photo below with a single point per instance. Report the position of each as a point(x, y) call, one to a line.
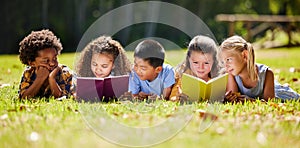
point(285, 92)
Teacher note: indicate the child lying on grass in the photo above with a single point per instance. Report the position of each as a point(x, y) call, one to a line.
point(250, 79)
point(43, 76)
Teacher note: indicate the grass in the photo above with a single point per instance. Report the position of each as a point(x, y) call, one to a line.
point(41, 123)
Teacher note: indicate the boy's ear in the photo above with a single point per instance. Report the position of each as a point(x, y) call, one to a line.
point(158, 69)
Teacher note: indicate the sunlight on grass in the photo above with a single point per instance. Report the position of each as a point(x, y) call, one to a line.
point(50, 123)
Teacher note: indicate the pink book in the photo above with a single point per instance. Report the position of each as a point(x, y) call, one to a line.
point(91, 89)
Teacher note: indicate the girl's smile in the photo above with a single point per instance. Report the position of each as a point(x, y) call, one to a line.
point(201, 64)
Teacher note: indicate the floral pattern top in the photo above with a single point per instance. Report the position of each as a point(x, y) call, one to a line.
point(63, 79)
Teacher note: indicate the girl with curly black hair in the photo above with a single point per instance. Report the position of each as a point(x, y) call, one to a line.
point(101, 58)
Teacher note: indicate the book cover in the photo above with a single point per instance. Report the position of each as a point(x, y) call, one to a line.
point(199, 90)
point(92, 89)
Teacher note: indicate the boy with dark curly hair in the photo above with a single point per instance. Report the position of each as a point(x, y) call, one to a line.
point(43, 76)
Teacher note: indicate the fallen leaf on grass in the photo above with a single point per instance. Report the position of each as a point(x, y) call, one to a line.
point(278, 105)
point(24, 108)
point(69, 108)
point(11, 110)
point(76, 111)
point(169, 115)
point(282, 79)
point(72, 110)
point(275, 105)
point(207, 119)
point(174, 108)
point(205, 115)
point(116, 114)
point(225, 111)
point(294, 79)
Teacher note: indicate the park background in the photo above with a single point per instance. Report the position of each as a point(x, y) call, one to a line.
point(50, 123)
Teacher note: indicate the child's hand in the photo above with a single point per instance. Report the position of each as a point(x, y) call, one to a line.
point(143, 95)
point(42, 72)
point(153, 97)
point(236, 97)
point(55, 88)
point(181, 96)
point(231, 96)
point(54, 72)
point(126, 96)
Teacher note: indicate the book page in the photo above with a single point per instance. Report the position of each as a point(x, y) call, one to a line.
point(199, 90)
point(190, 87)
point(203, 90)
point(217, 88)
point(194, 87)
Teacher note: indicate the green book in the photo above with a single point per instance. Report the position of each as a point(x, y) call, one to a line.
point(199, 90)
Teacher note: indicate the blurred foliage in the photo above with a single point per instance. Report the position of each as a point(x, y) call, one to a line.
point(71, 18)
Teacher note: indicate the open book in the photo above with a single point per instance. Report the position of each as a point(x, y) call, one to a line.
point(199, 90)
point(91, 89)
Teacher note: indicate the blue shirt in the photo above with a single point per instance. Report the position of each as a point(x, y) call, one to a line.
point(164, 79)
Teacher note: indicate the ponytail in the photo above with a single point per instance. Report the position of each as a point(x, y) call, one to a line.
point(238, 44)
point(251, 62)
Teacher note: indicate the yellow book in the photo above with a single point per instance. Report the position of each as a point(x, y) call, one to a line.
point(199, 90)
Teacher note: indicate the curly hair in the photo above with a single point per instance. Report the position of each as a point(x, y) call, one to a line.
point(103, 45)
point(36, 41)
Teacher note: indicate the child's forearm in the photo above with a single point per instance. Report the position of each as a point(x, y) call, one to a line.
point(167, 92)
point(33, 89)
point(141, 95)
point(55, 89)
point(269, 90)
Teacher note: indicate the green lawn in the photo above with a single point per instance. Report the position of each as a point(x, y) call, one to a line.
point(54, 123)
